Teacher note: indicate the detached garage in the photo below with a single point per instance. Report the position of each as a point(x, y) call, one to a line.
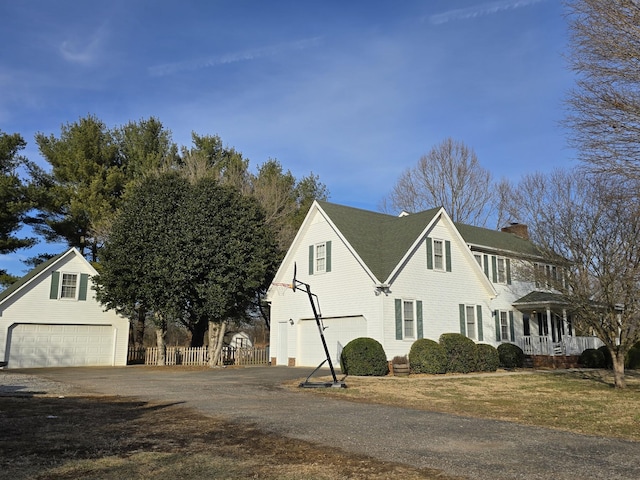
point(50, 318)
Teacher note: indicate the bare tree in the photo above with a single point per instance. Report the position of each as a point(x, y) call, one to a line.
point(581, 222)
point(449, 176)
point(604, 107)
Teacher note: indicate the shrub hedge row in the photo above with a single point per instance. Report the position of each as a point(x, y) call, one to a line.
point(454, 353)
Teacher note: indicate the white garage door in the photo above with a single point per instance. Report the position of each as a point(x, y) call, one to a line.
point(48, 345)
point(338, 332)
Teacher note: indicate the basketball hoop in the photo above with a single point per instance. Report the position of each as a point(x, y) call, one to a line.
point(281, 287)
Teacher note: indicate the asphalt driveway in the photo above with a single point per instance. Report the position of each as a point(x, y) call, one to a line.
point(473, 448)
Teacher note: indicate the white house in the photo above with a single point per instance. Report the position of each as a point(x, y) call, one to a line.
point(50, 318)
point(397, 279)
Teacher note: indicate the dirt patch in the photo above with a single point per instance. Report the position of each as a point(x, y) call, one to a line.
point(114, 437)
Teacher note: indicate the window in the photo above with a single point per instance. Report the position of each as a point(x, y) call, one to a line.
point(409, 324)
point(478, 258)
point(321, 257)
point(502, 270)
point(471, 321)
point(504, 326)
point(68, 288)
point(408, 319)
point(438, 255)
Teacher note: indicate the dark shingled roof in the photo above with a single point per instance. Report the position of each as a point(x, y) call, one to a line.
point(540, 298)
point(382, 240)
point(18, 283)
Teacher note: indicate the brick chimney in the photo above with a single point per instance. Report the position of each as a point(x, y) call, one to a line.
point(518, 229)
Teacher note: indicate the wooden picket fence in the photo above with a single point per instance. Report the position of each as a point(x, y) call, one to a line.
point(198, 356)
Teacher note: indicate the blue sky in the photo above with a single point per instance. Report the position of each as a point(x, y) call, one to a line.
point(354, 92)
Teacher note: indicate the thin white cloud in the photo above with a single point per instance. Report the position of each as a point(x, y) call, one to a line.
point(247, 55)
point(81, 51)
point(488, 8)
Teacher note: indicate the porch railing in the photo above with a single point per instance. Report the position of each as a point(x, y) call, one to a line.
point(536, 345)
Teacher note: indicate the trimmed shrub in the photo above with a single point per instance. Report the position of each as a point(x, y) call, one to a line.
point(633, 357)
point(608, 361)
point(488, 358)
point(364, 356)
point(427, 356)
point(460, 351)
point(511, 356)
point(592, 358)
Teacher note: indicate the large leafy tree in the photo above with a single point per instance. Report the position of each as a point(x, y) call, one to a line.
point(14, 197)
point(91, 168)
point(194, 253)
point(448, 176)
point(84, 185)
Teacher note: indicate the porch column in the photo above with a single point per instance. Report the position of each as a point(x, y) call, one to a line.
point(549, 331)
point(565, 329)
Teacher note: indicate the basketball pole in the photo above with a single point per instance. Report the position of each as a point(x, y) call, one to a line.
point(307, 384)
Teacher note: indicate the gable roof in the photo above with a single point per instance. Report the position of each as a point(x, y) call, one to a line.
point(18, 284)
point(381, 240)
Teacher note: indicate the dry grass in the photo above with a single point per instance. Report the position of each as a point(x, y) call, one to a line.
point(578, 401)
point(112, 437)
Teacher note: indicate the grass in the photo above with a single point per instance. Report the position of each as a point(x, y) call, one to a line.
point(577, 401)
point(116, 438)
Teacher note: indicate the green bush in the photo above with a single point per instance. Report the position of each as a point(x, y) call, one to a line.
point(460, 351)
point(608, 361)
point(592, 358)
point(364, 356)
point(633, 357)
point(427, 356)
point(488, 358)
point(511, 356)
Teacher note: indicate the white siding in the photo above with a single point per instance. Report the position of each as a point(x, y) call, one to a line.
point(32, 305)
point(441, 292)
point(347, 291)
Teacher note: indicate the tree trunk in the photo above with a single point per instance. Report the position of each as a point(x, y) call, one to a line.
point(197, 334)
point(138, 338)
point(161, 346)
point(216, 337)
point(618, 369)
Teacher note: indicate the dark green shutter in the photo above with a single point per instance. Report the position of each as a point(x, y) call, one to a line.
point(512, 329)
point(508, 267)
point(84, 281)
point(447, 249)
point(486, 265)
point(494, 265)
point(311, 259)
point(55, 283)
point(327, 265)
point(419, 319)
point(429, 253)
point(463, 322)
point(398, 319)
point(496, 315)
point(479, 315)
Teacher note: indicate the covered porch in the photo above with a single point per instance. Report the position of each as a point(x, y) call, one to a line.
point(548, 328)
